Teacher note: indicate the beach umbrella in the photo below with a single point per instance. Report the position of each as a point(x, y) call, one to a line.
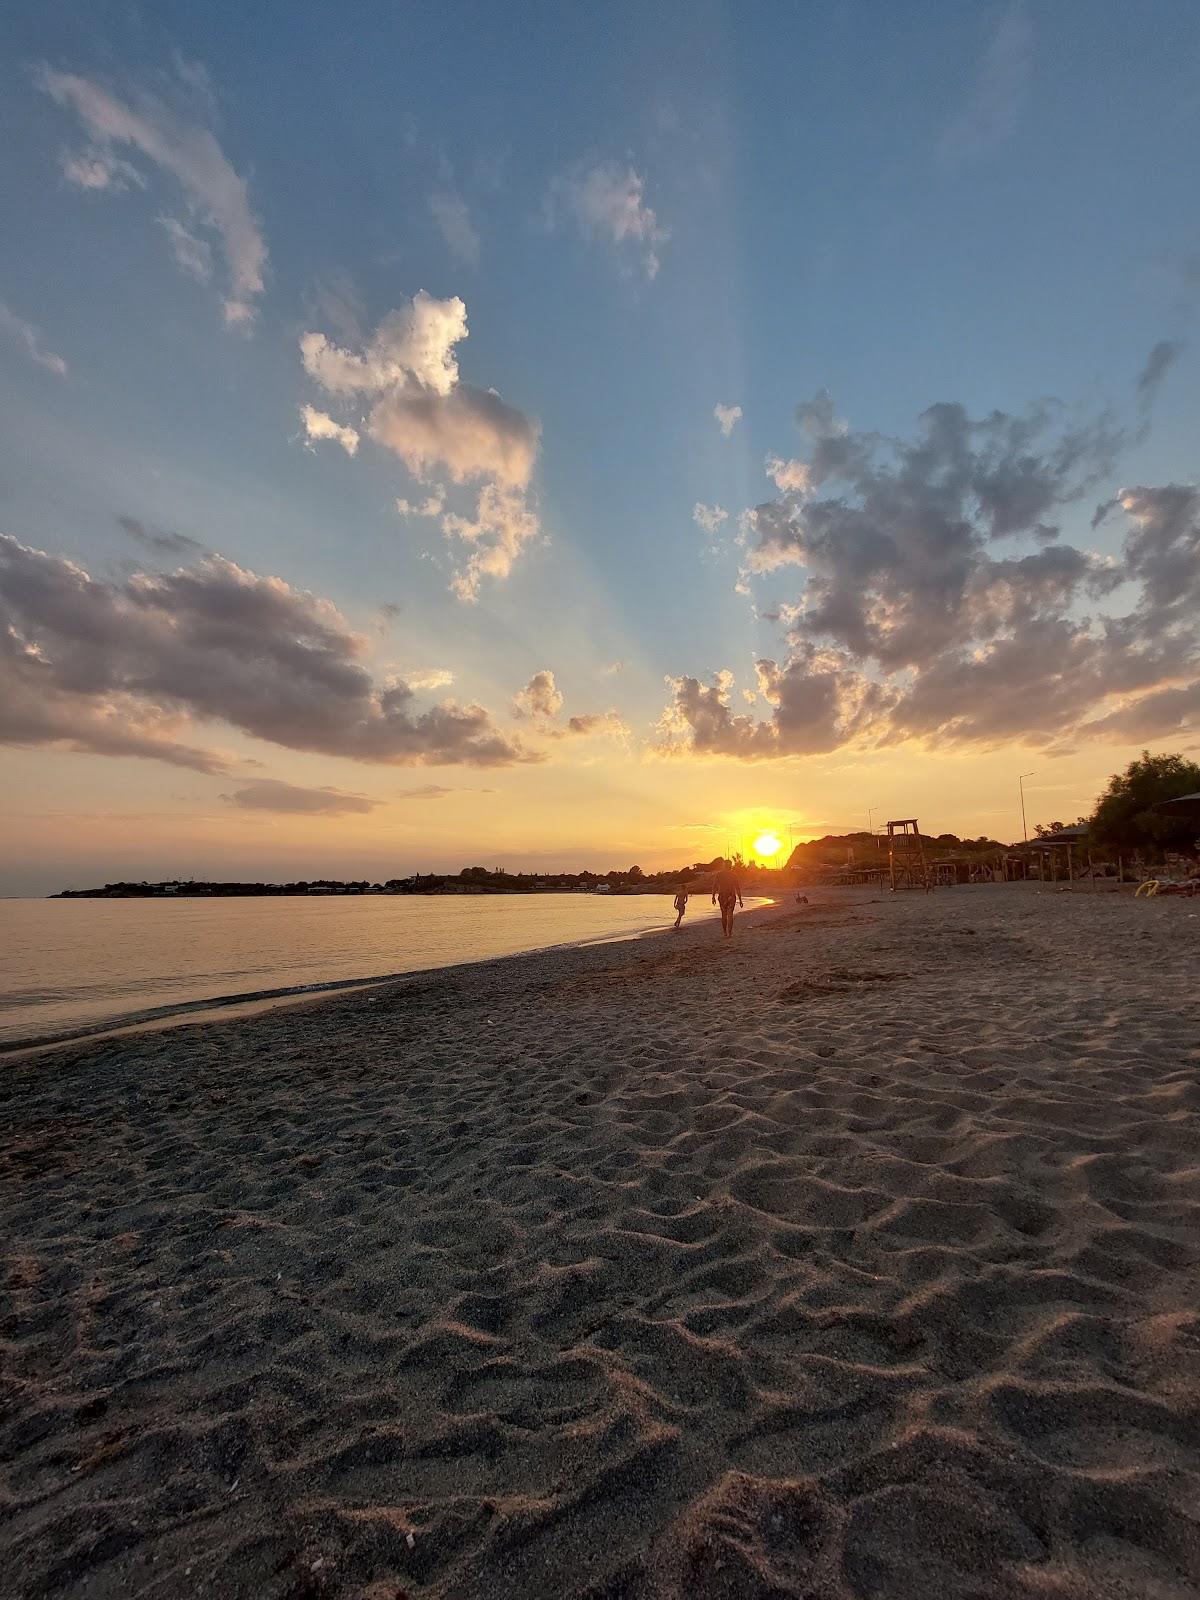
point(1183, 805)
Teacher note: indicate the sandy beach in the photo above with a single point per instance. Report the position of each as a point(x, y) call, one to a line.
point(857, 1257)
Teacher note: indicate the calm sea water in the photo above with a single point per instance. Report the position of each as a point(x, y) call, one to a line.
point(66, 964)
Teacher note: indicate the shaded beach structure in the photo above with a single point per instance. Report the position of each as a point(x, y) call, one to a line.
point(1068, 839)
point(907, 865)
point(1183, 805)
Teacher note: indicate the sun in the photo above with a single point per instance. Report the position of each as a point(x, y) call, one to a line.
point(768, 845)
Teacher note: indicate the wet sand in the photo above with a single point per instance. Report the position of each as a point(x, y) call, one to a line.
point(857, 1257)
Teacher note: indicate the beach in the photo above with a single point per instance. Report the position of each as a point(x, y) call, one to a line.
point(858, 1256)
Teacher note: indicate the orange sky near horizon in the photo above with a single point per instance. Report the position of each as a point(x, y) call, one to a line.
point(608, 812)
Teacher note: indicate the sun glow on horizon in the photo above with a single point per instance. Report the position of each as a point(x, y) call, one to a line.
point(767, 845)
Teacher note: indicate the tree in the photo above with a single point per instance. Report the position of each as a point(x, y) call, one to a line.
point(1124, 819)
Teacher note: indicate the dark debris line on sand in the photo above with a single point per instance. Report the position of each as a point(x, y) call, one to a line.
point(695, 1270)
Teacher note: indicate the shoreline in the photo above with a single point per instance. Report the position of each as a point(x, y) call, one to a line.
point(251, 1003)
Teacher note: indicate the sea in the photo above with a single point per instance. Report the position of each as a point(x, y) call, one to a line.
point(69, 966)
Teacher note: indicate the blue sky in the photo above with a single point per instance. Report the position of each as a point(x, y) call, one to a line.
point(646, 212)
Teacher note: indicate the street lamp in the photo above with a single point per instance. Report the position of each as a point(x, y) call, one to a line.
point(871, 827)
point(1021, 786)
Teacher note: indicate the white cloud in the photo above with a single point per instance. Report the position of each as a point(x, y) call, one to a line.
point(709, 518)
point(503, 526)
point(791, 477)
point(727, 417)
point(614, 668)
point(432, 506)
point(319, 426)
point(99, 169)
point(189, 152)
point(609, 200)
point(993, 108)
point(192, 254)
point(541, 698)
point(454, 220)
point(421, 410)
point(429, 678)
point(30, 339)
point(414, 344)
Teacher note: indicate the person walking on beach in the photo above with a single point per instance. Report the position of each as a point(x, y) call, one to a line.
point(726, 889)
point(681, 900)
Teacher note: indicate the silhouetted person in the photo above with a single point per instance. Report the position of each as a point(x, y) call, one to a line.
point(726, 890)
point(681, 900)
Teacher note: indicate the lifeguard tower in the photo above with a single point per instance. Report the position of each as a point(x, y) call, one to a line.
point(906, 856)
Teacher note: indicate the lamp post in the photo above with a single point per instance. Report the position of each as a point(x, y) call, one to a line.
point(1021, 786)
point(871, 827)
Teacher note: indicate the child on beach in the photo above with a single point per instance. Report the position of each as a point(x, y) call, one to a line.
point(681, 900)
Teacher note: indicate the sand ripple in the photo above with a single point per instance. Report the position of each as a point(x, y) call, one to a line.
point(858, 1258)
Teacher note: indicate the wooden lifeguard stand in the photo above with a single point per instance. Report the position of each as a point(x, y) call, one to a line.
point(906, 856)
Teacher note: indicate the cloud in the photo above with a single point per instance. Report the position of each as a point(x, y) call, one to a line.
point(99, 169)
point(598, 722)
point(435, 791)
point(471, 433)
point(613, 669)
point(709, 518)
point(912, 624)
point(423, 412)
point(187, 151)
point(317, 425)
point(412, 347)
point(270, 794)
point(993, 108)
point(541, 701)
point(432, 506)
point(1158, 363)
point(540, 698)
point(503, 525)
point(818, 704)
point(728, 418)
point(124, 667)
point(30, 340)
point(608, 201)
point(790, 476)
point(429, 678)
point(454, 220)
point(192, 254)
point(158, 538)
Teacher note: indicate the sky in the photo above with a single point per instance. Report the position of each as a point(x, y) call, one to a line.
point(585, 436)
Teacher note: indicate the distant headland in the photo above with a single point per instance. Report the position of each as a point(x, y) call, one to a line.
point(838, 853)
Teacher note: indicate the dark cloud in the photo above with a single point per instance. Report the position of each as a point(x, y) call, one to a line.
point(897, 559)
point(818, 700)
point(211, 642)
point(159, 539)
point(271, 794)
point(911, 624)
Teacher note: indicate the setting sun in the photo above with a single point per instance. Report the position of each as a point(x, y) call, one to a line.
point(767, 845)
